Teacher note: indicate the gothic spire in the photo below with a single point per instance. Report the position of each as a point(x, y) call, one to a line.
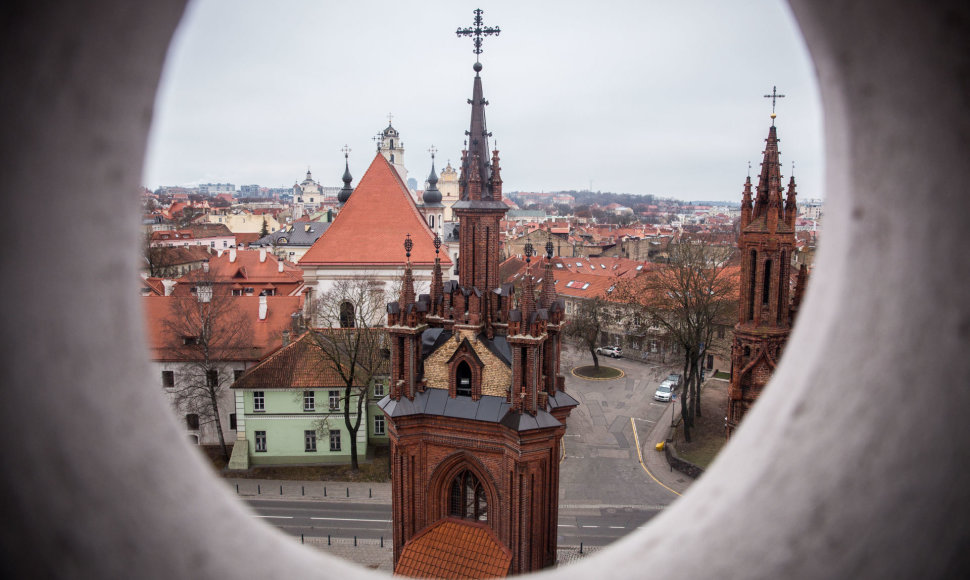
point(437, 285)
point(477, 159)
point(407, 286)
point(527, 304)
point(791, 206)
point(548, 294)
point(746, 201)
point(769, 182)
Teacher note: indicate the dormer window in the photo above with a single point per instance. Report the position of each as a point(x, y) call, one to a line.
point(463, 380)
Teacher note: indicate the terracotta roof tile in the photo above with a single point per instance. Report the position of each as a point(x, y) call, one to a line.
point(453, 548)
point(371, 227)
point(300, 364)
point(260, 336)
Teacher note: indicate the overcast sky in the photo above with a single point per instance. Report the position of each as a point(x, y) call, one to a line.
point(664, 98)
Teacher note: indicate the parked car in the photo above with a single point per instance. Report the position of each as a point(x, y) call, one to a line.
point(673, 378)
point(664, 392)
point(613, 351)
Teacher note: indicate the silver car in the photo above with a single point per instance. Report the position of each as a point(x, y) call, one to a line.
point(664, 392)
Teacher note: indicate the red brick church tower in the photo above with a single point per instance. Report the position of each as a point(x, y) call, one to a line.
point(476, 409)
point(767, 307)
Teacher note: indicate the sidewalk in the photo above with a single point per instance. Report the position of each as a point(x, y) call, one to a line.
point(655, 462)
point(310, 490)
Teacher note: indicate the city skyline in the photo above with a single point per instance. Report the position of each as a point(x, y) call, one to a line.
point(627, 98)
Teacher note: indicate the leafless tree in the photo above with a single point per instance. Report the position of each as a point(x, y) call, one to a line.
point(206, 332)
point(352, 339)
point(688, 297)
point(587, 322)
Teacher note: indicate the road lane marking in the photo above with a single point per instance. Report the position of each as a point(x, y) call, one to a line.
point(617, 527)
point(351, 520)
point(590, 526)
point(274, 517)
point(636, 439)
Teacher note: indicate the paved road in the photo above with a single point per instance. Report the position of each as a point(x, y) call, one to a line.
point(601, 466)
point(593, 526)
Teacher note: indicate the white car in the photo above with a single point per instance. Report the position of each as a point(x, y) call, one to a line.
point(613, 351)
point(664, 392)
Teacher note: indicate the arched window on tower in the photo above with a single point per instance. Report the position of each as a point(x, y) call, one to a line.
point(463, 380)
point(347, 318)
point(467, 499)
point(431, 221)
point(392, 156)
point(753, 276)
point(766, 283)
point(392, 147)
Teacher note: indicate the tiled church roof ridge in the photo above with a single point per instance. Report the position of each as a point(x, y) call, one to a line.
point(371, 227)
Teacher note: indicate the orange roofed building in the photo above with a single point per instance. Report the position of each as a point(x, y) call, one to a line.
point(243, 330)
point(364, 239)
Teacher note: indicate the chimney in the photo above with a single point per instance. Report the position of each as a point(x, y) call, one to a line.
point(169, 286)
point(262, 307)
point(280, 265)
point(205, 265)
point(232, 255)
point(286, 337)
point(296, 322)
point(262, 255)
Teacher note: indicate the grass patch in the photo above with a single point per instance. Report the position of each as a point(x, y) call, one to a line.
point(722, 375)
point(707, 436)
point(591, 372)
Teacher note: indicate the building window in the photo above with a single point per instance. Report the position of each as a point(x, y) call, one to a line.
point(260, 441)
point(379, 388)
point(310, 441)
point(232, 421)
point(168, 379)
point(463, 380)
point(335, 441)
point(308, 401)
point(192, 421)
point(259, 401)
point(379, 425)
point(334, 397)
point(346, 315)
point(720, 332)
point(467, 499)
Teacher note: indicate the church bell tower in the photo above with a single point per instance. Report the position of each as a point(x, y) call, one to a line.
point(767, 307)
point(477, 406)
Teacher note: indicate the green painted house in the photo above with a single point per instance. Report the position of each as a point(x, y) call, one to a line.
point(290, 409)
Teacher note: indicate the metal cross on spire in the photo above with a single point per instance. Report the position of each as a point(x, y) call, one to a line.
point(774, 96)
point(432, 150)
point(390, 117)
point(379, 139)
point(477, 32)
point(345, 150)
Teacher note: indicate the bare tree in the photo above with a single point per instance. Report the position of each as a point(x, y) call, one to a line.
point(587, 322)
point(351, 338)
point(158, 259)
point(688, 297)
point(206, 332)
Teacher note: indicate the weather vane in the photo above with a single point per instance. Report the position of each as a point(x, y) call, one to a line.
point(408, 244)
point(477, 32)
point(774, 96)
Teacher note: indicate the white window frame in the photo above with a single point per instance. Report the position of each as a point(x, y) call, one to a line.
point(259, 401)
point(335, 440)
point(309, 402)
point(334, 400)
point(260, 441)
point(379, 425)
point(310, 441)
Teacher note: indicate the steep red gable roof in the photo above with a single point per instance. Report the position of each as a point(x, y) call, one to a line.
point(453, 548)
point(371, 227)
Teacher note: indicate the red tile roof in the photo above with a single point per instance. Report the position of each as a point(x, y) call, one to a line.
point(301, 364)
point(258, 338)
point(453, 548)
point(248, 271)
point(371, 227)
